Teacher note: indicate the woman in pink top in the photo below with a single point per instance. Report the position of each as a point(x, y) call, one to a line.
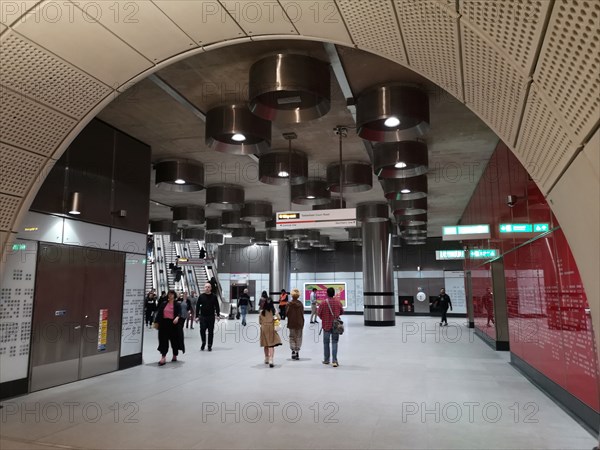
point(167, 318)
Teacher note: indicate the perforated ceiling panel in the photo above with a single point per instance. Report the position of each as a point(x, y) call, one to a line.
point(514, 25)
point(19, 169)
point(373, 26)
point(9, 206)
point(544, 146)
point(31, 126)
point(494, 89)
point(43, 77)
point(571, 51)
point(430, 32)
point(255, 18)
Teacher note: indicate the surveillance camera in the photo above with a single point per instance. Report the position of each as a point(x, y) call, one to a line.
point(511, 200)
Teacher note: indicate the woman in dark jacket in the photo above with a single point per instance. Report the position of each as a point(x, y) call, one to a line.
point(167, 318)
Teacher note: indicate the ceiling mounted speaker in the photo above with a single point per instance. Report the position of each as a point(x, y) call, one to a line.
point(232, 219)
point(356, 177)
point(260, 238)
point(354, 234)
point(214, 226)
point(179, 176)
point(408, 207)
point(411, 221)
point(188, 216)
point(372, 212)
point(193, 234)
point(312, 192)
point(162, 227)
point(313, 237)
point(275, 168)
point(225, 197)
point(302, 245)
point(400, 159)
point(234, 129)
point(387, 113)
point(324, 241)
point(257, 211)
point(334, 203)
point(290, 88)
point(405, 188)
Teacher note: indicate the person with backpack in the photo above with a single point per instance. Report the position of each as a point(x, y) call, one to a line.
point(328, 311)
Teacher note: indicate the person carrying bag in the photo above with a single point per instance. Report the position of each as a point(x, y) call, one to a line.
point(328, 315)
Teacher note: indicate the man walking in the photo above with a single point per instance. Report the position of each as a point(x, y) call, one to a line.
point(328, 310)
point(207, 308)
point(244, 304)
point(295, 317)
point(444, 303)
point(313, 306)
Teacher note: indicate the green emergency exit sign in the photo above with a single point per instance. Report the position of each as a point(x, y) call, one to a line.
point(17, 247)
point(524, 227)
point(483, 253)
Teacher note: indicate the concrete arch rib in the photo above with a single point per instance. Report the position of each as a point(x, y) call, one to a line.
point(467, 52)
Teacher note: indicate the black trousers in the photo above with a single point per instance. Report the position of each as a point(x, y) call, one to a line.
point(444, 318)
point(168, 332)
point(149, 317)
point(207, 323)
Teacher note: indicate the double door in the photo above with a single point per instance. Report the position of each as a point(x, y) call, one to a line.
point(76, 314)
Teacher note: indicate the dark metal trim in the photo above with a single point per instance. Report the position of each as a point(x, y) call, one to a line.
point(14, 388)
point(380, 306)
point(383, 323)
point(126, 362)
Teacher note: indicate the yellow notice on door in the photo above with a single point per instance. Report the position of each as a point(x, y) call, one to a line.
point(102, 330)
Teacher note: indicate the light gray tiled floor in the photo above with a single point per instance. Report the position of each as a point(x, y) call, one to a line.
point(411, 386)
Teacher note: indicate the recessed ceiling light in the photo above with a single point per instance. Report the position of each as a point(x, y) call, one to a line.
point(283, 174)
point(179, 181)
point(310, 197)
point(405, 191)
point(400, 165)
point(238, 137)
point(392, 122)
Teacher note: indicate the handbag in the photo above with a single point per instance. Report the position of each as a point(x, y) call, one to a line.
point(277, 324)
point(338, 324)
point(155, 325)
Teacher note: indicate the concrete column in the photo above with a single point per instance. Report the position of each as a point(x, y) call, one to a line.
point(500, 307)
point(279, 268)
point(469, 295)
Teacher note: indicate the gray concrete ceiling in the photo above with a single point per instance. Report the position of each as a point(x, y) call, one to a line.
point(460, 144)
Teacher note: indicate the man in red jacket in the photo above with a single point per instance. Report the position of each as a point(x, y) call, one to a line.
point(330, 309)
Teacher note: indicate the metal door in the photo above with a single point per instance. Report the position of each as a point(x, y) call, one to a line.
point(101, 307)
point(56, 336)
point(77, 314)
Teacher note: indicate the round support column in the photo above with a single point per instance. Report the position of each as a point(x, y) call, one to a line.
point(378, 284)
point(279, 268)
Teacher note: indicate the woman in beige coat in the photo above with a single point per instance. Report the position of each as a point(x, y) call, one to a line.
point(269, 339)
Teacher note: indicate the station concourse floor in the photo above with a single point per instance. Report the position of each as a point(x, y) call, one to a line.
point(413, 386)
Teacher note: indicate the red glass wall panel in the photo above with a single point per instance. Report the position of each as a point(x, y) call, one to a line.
point(548, 323)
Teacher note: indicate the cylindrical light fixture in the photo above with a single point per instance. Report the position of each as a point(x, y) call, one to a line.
point(296, 234)
point(162, 227)
point(274, 167)
point(225, 197)
point(408, 207)
point(232, 219)
point(417, 230)
point(400, 159)
point(416, 242)
point(193, 234)
point(372, 212)
point(234, 129)
point(411, 221)
point(386, 113)
point(179, 175)
point(257, 211)
point(313, 192)
point(74, 204)
point(260, 238)
point(357, 176)
point(188, 216)
point(276, 235)
point(214, 238)
point(290, 88)
point(214, 225)
point(334, 203)
point(396, 241)
point(405, 188)
point(354, 234)
point(324, 241)
point(241, 236)
point(330, 248)
point(313, 237)
point(302, 245)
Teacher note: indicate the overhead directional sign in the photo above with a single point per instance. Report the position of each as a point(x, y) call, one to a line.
point(464, 232)
point(444, 255)
point(482, 253)
point(324, 218)
point(524, 227)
